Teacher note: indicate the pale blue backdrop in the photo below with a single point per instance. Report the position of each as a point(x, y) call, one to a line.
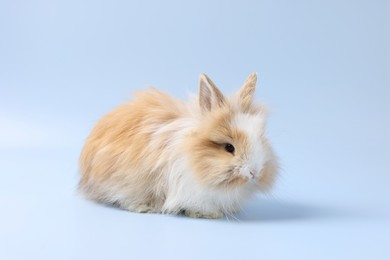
point(324, 69)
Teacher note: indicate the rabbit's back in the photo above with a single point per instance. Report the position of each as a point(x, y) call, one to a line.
point(121, 154)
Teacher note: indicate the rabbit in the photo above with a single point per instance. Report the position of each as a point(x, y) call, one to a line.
point(203, 158)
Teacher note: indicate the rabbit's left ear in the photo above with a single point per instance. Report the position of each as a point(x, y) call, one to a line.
point(247, 91)
point(210, 97)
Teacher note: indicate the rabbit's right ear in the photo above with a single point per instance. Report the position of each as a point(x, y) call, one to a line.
point(210, 96)
point(247, 91)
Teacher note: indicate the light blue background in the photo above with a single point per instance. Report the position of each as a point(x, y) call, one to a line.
point(324, 69)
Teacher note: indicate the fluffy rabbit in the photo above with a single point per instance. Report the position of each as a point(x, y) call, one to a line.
point(159, 154)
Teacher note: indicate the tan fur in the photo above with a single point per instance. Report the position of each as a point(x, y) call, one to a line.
point(210, 160)
point(247, 92)
point(270, 168)
point(144, 154)
point(209, 95)
point(127, 160)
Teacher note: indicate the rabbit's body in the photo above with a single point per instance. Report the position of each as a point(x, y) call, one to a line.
point(159, 154)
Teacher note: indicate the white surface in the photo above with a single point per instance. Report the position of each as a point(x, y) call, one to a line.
point(323, 68)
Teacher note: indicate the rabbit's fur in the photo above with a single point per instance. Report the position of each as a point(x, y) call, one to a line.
point(159, 154)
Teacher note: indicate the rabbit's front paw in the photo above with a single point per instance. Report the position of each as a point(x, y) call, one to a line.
point(211, 215)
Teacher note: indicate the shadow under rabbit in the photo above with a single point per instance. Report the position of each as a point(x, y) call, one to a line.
point(264, 210)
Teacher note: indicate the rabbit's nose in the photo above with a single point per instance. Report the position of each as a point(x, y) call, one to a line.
point(252, 174)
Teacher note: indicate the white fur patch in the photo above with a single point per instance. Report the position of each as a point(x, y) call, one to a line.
point(253, 126)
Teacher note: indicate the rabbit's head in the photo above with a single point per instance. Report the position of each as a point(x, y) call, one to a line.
point(228, 148)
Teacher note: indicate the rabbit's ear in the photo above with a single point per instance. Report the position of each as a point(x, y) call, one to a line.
point(210, 96)
point(247, 91)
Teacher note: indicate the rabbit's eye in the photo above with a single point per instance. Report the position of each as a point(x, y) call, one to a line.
point(229, 148)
